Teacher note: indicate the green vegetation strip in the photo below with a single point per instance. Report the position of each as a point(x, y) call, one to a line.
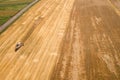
point(11, 20)
point(9, 8)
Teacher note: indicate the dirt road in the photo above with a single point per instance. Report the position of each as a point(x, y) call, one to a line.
point(64, 40)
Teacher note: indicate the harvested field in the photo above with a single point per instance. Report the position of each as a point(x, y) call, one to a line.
point(63, 40)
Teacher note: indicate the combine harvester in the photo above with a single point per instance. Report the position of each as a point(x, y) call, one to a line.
point(18, 46)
